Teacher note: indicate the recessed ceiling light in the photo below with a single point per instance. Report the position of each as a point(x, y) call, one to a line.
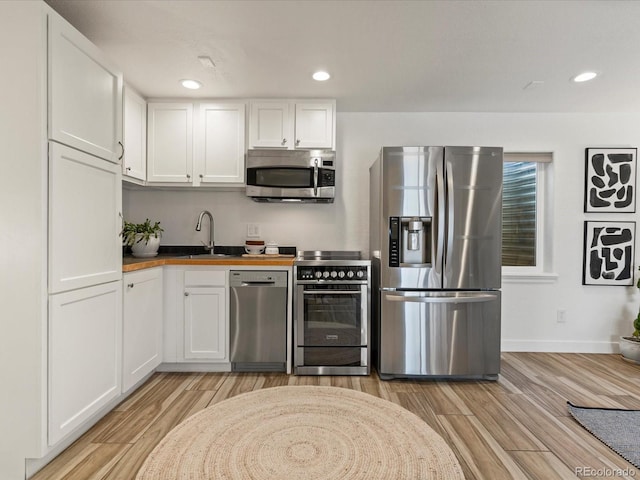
point(585, 77)
point(191, 84)
point(321, 76)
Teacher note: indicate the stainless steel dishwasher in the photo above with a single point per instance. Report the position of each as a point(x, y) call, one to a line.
point(258, 321)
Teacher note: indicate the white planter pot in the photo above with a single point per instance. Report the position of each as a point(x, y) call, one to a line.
point(630, 350)
point(146, 249)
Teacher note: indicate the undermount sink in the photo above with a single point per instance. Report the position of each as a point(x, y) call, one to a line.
point(207, 255)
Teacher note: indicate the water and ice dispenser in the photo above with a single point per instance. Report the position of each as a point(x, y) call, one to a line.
point(409, 241)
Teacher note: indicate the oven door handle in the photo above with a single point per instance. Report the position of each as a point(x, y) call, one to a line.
point(324, 292)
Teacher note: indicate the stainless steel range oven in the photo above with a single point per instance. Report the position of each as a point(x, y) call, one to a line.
point(331, 313)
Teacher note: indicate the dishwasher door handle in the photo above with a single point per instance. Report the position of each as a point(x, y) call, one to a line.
point(256, 284)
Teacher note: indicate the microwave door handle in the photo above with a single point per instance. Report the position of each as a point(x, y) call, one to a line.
point(315, 178)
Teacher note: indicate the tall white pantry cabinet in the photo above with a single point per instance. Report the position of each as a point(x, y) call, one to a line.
point(60, 358)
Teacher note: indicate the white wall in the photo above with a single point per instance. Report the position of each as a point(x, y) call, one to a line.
point(596, 316)
point(23, 234)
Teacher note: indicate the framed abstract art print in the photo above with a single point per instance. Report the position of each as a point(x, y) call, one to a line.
point(610, 180)
point(608, 253)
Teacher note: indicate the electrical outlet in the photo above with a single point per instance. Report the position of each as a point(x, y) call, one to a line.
point(253, 230)
point(562, 316)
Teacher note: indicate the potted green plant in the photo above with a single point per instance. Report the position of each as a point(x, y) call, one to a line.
point(143, 238)
point(630, 346)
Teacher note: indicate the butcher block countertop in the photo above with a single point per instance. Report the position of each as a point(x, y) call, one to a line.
point(131, 264)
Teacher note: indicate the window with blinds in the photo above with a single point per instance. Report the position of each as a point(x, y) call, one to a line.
point(519, 214)
point(521, 205)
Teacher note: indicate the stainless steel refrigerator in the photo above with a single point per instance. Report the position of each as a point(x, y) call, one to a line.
point(436, 241)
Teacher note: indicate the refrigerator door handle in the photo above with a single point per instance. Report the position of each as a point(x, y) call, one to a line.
point(426, 298)
point(440, 226)
point(450, 213)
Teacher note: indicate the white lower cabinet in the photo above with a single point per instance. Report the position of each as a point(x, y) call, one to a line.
point(205, 323)
point(142, 325)
point(85, 338)
point(205, 336)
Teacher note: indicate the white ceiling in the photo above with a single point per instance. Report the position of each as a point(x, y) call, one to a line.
point(393, 56)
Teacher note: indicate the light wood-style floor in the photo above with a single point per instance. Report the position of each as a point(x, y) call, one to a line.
point(517, 427)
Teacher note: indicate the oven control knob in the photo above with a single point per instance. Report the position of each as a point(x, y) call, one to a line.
point(360, 274)
point(318, 274)
point(325, 274)
point(334, 274)
point(341, 274)
point(350, 274)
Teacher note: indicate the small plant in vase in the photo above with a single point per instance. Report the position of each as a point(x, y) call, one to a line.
point(630, 346)
point(143, 238)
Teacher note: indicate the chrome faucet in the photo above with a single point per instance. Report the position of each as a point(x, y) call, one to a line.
point(207, 246)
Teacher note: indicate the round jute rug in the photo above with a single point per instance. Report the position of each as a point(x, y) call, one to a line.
point(302, 432)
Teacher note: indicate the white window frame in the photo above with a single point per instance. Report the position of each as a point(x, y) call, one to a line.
point(543, 270)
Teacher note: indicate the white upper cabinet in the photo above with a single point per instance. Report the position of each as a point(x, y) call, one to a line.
point(220, 143)
point(271, 125)
point(85, 94)
point(315, 125)
point(85, 199)
point(134, 164)
point(291, 124)
point(196, 143)
point(170, 142)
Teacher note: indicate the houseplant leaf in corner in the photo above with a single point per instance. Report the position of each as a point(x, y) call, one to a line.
point(143, 238)
point(630, 346)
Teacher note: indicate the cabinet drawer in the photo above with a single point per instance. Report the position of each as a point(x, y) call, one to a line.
point(195, 278)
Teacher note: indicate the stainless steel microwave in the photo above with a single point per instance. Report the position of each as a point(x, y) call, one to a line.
point(291, 175)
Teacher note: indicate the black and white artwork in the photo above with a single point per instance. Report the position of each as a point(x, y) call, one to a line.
point(610, 180)
point(608, 253)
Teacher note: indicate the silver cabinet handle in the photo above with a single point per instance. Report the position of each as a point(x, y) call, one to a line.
point(130, 285)
point(297, 142)
point(186, 294)
point(188, 176)
point(201, 176)
point(122, 147)
point(128, 169)
point(284, 141)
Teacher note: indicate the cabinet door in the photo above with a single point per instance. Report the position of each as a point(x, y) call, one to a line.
point(220, 143)
point(271, 125)
point(315, 125)
point(85, 199)
point(85, 94)
point(170, 142)
point(142, 325)
point(134, 163)
point(205, 324)
point(85, 335)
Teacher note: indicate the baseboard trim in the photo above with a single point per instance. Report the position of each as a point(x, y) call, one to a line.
point(559, 346)
point(194, 367)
